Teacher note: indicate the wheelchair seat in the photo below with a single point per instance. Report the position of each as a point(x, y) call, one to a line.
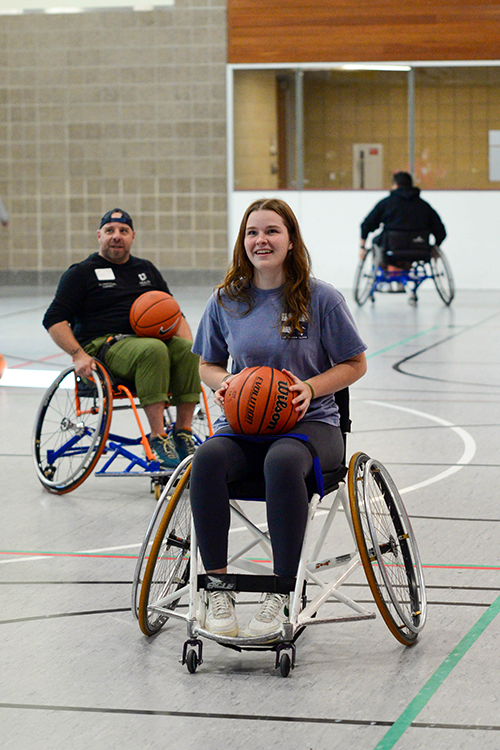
point(406, 246)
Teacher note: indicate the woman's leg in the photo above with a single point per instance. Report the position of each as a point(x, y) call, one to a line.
point(287, 465)
point(215, 463)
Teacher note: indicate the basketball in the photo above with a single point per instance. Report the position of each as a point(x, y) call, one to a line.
point(258, 402)
point(155, 314)
point(3, 365)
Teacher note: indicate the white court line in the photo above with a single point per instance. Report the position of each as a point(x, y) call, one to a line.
point(468, 441)
point(467, 456)
point(69, 554)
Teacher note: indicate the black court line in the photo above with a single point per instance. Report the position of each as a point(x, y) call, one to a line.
point(428, 587)
point(61, 615)
point(245, 717)
point(453, 518)
point(66, 614)
point(398, 365)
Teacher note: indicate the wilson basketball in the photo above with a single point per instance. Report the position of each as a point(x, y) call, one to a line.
point(155, 314)
point(259, 402)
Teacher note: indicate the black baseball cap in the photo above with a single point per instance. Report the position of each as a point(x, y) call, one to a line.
point(125, 218)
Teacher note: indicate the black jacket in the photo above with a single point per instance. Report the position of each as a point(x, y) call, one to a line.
point(403, 209)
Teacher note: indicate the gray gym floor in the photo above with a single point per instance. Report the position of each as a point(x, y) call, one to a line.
point(76, 671)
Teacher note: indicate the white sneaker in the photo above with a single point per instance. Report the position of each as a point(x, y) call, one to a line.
point(221, 618)
point(269, 618)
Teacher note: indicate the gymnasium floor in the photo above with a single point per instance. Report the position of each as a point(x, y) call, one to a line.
point(78, 674)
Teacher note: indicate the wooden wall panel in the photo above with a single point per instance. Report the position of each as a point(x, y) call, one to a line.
point(274, 31)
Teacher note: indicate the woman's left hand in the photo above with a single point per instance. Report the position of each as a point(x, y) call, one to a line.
point(302, 394)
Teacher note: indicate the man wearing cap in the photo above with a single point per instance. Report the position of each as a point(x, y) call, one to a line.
point(92, 303)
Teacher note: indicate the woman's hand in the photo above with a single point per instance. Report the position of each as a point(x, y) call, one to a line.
point(220, 393)
point(302, 392)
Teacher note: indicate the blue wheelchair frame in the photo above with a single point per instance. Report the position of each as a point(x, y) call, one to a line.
point(72, 432)
point(372, 277)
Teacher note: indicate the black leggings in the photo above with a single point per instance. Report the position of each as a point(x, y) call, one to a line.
point(285, 463)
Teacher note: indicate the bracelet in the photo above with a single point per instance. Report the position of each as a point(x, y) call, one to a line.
point(225, 378)
point(313, 395)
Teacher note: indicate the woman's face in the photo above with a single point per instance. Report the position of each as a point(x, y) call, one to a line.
point(267, 243)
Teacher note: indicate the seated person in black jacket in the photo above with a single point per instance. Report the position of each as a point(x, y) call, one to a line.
point(402, 210)
point(93, 302)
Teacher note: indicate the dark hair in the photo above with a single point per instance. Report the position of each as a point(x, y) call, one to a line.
point(296, 268)
point(402, 179)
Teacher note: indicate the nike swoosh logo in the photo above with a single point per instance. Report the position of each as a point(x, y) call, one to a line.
point(162, 331)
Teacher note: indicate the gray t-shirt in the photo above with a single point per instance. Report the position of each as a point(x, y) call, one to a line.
point(254, 339)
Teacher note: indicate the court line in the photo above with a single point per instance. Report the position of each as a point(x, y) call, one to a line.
point(404, 341)
point(434, 683)
point(468, 440)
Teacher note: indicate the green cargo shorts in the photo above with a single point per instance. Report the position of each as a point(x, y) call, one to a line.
point(161, 370)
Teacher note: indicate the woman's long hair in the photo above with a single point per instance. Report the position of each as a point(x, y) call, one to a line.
point(296, 267)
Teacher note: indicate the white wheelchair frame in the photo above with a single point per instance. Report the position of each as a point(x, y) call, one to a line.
point(168, 572)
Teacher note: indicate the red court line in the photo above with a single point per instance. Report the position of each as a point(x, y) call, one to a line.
point(33, 361)
point(134, 557)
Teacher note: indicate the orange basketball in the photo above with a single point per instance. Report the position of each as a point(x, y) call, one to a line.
point(259, 402)
point(3, 365)
point(155, 314)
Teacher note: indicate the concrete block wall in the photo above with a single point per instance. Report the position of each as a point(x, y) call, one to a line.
point(114, 108)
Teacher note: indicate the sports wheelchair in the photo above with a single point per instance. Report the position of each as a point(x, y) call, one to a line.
point(414, 261)
point(72, 432)
point(169, 581)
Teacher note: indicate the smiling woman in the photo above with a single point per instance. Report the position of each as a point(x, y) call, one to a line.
point(269, 311)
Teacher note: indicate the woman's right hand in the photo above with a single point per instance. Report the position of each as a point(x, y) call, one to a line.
point(221, 390)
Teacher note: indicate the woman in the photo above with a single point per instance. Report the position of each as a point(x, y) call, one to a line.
point(270, 311)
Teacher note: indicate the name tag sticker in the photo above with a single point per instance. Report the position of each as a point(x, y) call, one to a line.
point(105, 274)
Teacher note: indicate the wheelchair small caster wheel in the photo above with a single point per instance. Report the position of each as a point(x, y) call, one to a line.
point(285, 664)
point(157, 488)
point(192, 661)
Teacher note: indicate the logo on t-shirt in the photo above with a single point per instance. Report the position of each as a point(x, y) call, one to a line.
point(143, 279)
point(286, 331)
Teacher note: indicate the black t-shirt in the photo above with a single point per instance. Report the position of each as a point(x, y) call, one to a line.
point(95, 296)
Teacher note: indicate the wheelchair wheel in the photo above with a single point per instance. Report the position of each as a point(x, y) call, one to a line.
point(167, 567)
point(164, 497)
point(204, 417)
point(443, 279)
point(365, 278)
point(387, 548)
point(71, 429)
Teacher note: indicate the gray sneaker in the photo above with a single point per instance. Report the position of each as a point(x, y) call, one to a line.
point(164, 450)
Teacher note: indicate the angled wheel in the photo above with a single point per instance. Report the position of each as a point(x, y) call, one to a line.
point(164, 496)
point(167, 567)
point(387, 548)
point(365, 278)
point(443, 278)
point(71, 429)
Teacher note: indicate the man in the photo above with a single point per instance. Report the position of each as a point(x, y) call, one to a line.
point(92, 303)
point(402, 210)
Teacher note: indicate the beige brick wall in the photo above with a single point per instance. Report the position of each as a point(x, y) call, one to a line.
point(114, 108)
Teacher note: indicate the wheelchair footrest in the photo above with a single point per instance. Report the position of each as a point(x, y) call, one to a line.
point(249, 583)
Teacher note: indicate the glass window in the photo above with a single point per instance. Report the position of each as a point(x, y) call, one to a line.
point(455, 109)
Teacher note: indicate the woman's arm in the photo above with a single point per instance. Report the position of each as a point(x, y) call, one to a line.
point(332, 380)
point(216, 376)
